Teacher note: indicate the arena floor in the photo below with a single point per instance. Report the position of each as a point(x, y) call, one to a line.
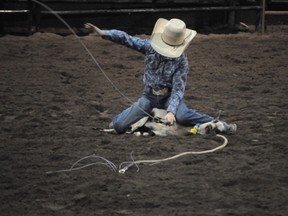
point(53, 95)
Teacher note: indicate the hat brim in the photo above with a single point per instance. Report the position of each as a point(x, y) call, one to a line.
point(165, 49)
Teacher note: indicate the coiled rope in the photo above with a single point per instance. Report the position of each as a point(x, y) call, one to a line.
point(124, 166)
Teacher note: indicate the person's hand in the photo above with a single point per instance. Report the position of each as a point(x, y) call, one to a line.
point(94, 28)
point(170, 118)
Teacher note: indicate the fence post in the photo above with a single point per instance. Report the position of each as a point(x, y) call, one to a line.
point(263, 16)
point(231, 14)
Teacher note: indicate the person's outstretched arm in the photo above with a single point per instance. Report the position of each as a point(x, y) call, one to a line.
point(95, 29)
point(121, 37)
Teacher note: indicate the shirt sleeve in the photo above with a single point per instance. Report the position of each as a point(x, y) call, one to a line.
point(120, 37)
point(178, 85)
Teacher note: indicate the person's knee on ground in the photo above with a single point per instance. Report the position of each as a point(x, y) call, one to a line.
point(138, 110)
point(120, 128)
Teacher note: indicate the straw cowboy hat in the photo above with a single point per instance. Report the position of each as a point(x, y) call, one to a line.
point(171, 37)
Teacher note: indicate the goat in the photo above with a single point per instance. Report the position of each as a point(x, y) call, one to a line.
point(147, 127)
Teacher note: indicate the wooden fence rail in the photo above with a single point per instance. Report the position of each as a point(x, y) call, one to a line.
point(33, 13)
point(270, 12)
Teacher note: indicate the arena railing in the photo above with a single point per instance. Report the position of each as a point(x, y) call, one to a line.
point(34, 13)
point(266, 12)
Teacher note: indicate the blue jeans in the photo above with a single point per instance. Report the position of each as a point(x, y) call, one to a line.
point(184, 116)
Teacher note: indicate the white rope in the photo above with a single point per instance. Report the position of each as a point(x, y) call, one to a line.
point(91, 55)
point(151, 162)
point(107, 163)
point(128, 164)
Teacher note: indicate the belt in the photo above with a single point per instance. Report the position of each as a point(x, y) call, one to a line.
point(160, 91)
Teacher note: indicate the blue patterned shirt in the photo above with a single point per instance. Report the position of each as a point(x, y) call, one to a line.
point(159, 71)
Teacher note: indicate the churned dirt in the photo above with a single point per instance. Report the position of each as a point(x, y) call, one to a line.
point(53, 95)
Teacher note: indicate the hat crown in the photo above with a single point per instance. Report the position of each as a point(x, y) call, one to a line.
point(174, 32)
point(171, 38)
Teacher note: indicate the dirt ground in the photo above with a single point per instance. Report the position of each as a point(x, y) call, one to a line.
point(53, 95)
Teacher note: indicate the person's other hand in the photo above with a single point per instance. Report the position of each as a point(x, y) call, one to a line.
point(170, 118)
point(94, 28)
